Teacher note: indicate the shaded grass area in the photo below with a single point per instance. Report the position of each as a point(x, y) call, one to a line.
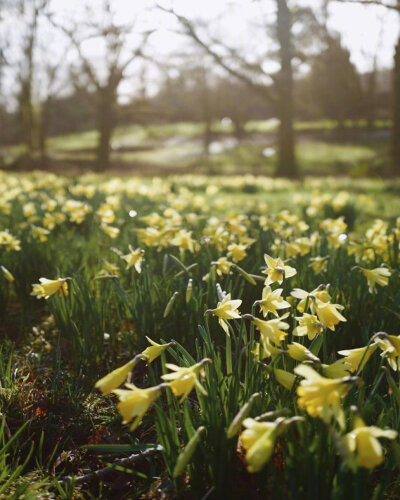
point(164, 148)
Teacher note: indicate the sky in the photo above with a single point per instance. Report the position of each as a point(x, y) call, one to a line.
point(367, 31)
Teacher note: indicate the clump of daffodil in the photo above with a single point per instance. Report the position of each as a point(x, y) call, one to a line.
point(184, 379)
point(308, 325)
point(258, 439)
point(47, 287)
point(118, 376)
point(277, 270)
point(134, 259)
point(363, 445)
point(390, 346)
point(356, 359)
point(320, 396)
point(226, 309)
point(272, 301)
point(135, 402)
point(378, 276)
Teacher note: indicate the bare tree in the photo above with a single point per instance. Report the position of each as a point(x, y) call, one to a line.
point(31, 10)
point(105, 77)
point(254, 75)
point(394, 5)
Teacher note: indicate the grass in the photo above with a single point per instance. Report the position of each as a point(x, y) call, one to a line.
point(165, 147)
point(55, 426)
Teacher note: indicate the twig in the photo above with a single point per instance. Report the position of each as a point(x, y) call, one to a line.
point(106, 470)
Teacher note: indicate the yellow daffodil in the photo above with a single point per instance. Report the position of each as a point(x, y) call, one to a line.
point(328, 314)
point(273, 329)
point(258, 439)
point(276, 270)
point(9, 242)
point(307, 298)
point(356, 359)
point(319, 264)
point(337, 369)
point(320, 396)
point(237, 252)
point(6, 273)
point(184, 379)
point(362, 441)
point(183, 239)
point(390, 346)
point(154, 350)
point(47, 287)
point(115, 378)
point(285, 378)
point(308, 325)
point(378, 276)
point(134, 259)
point(272, 301)
point(135, 402)
point(226, 309)
point(300, 353)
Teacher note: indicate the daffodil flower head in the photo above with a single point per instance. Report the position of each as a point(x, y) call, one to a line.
point(300, 352)
point(390, 347)
point(276, 270)
point(184, 379)
point(135, 402)
point(134, 259)
point(362, 441)
point(308, 325)
point(226, 309)
point(320, 396)
point(272, 301)
point(47, 287)
point(115, 378)
point(307, 299)
point(378, 276)
point(328, 314)
point(356, 359)
point(272, 329)
point(154, 350)
point(258, 439)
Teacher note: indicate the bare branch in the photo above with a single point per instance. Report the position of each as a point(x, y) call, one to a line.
point(379, 3)
point(265, 91)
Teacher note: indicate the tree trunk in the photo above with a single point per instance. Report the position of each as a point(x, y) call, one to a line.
point(371, 98)
point(106, 124)
point(396, 111)
point(287, 166)
point(43, 123)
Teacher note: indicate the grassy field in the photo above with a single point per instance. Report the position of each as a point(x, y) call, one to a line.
point(254, 321)
point(165, 149)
